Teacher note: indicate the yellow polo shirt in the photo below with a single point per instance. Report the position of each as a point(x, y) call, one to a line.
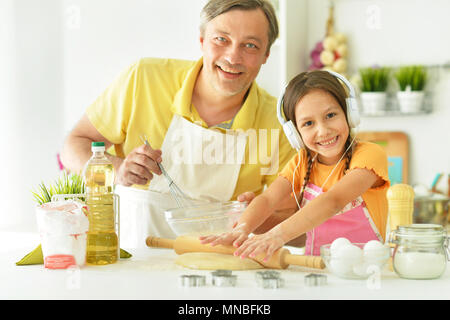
point(145, 96)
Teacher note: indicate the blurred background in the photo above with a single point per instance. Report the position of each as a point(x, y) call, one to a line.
point(57, 56)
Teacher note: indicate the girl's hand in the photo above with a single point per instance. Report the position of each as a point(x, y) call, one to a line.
point(246, 197)
point(235, 237)
point(268, 242)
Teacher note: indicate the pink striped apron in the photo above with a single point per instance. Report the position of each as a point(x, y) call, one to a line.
point(352, 222)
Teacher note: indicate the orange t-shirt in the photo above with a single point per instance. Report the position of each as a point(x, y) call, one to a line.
point(366, 155)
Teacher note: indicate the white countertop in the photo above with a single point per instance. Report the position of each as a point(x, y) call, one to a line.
point(151, 274)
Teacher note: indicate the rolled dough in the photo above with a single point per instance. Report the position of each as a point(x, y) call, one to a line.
point(215, 261)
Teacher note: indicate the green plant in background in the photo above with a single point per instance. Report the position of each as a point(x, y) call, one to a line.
point(65, 184)
point(374, 79)
point(413, 77)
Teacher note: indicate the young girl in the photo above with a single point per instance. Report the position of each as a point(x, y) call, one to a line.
point(341, 183)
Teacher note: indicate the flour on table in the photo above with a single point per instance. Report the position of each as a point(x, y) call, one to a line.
point(215, 261)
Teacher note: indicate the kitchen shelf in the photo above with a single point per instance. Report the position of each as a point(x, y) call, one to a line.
point(394, 113)
point(392, 109)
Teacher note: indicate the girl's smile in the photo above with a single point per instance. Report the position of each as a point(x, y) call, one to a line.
point(322, 125)
point(328, 143)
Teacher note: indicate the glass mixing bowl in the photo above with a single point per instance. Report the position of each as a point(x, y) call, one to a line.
point(355, 267)
point(205, 219)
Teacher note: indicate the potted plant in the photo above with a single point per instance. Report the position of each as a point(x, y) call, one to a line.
point(411, 80)
point(374, 82)
point(65, 184)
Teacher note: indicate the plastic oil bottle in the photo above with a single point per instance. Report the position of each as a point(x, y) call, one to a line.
point(102, 240)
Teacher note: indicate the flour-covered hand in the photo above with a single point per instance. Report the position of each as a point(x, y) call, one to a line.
point(234, 237)
point(267, 243)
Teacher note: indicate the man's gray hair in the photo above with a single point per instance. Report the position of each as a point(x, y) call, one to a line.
point(215, 8)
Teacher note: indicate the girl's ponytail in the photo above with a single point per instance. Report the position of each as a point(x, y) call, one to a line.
point(308, 173)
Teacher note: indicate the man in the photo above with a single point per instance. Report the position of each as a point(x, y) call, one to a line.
point(207, 122)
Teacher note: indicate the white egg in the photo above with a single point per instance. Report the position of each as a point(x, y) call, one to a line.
point(360, 269)
point(373, 244)
point(350, 253)
point(374, 249)
point(346, 257)
point(339, 242)
point(340, 267)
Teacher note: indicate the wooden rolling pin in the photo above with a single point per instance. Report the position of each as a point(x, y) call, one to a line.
point(281, 259)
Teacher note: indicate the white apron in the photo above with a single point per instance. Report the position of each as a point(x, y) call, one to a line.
point(205, 165)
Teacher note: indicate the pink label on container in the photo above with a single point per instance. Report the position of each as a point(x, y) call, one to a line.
point(59, 261)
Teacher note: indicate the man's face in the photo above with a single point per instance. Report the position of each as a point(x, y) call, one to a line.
point(234, 46)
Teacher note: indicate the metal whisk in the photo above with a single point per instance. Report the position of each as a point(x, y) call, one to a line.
point(179, 196)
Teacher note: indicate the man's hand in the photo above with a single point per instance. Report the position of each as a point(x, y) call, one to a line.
point(138, 167)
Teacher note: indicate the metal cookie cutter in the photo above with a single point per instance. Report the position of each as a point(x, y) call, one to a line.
point(265, 274)
point(269, 279)
point(192, 280)
point(223, 278)
point(315, 279)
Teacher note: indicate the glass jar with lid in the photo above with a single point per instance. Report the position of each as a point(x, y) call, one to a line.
point(420, 251)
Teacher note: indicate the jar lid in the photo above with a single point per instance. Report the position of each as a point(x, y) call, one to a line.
point(421, 231)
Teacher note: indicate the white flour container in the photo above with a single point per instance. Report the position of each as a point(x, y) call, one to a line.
point(62, 228)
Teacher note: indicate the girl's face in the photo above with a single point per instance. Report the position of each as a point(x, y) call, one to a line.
point(322, 125)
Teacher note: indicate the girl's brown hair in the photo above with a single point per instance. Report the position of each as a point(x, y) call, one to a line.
point(300, 86)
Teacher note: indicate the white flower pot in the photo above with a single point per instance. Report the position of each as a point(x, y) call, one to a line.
point(373, 102)
point(410, 101)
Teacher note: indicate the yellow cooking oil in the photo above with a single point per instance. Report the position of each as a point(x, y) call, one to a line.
point(102, 241)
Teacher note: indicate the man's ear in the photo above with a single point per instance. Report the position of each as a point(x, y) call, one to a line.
point(201, 39)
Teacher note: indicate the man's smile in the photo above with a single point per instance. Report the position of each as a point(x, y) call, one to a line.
point(229, 73)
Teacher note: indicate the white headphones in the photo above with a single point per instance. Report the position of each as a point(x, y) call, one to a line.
point(289, 128)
